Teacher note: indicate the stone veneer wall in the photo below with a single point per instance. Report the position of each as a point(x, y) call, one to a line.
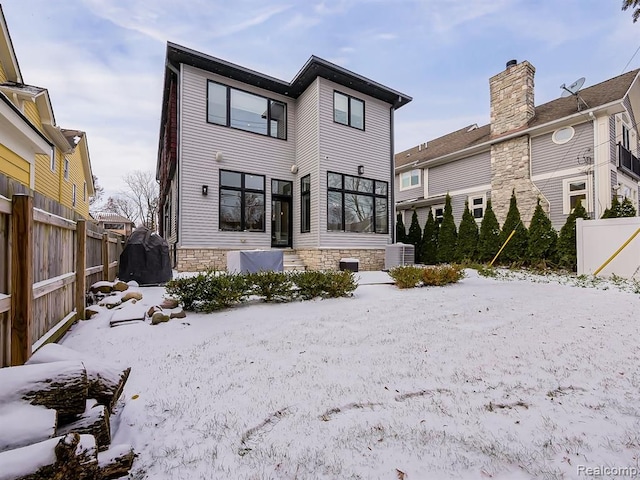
point(510, 172)
point(329, 259)
point(512, 98)
point(200, 259)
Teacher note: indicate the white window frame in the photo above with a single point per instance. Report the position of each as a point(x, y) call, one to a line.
point(409, 174)
point(562, 141)
point(631, 186)
point(73, 195)
point(471, 198)
point(625, 133)
point(84, 192)
point(434, 208)
point(67, 166)
point(567, 194)
point(52, 160)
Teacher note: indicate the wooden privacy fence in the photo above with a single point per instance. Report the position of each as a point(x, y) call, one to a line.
point(46, 263)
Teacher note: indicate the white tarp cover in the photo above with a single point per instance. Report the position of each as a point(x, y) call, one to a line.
point(253, 261)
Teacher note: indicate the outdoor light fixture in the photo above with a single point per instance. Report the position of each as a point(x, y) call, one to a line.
point(218, 156)
point(205, 189)
point(360, 169)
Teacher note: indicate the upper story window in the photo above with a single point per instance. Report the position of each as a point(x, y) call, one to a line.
point(66, 169)
point(348, 110)
point(409, 179)
point(235, 108)
point(84, 192)
point(73, 195)
point(438, 213)
point(241, 201)
point(114, 226)
point(52, 163)
point(563, 135)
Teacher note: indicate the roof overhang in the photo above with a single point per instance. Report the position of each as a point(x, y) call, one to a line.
point(82, 147)
point(14, 121)
point(420, 202)
point(7, 53)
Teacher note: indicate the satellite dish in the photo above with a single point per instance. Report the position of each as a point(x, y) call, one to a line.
point(572, 89)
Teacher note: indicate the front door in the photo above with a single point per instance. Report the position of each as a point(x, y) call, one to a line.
point(281, 215)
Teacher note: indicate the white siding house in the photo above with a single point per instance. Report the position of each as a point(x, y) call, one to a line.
point(247, 161)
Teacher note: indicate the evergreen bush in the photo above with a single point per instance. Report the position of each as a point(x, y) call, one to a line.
point(429, 243)
point(627, 209)
point(467, 237)
point(542, 238)
point(415, 236)
point(567, 256)
point(448, 235)
point(406, 276)
point(441, 275)
point(489, 238)
point(401, 232)
point(271, 286)
point(515, 251)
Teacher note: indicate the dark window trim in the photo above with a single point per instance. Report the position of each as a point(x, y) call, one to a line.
point(228, 108)
point(242, 189)
point(280, 194)
point(373, 195)
point(304, 195)
point(349, 97)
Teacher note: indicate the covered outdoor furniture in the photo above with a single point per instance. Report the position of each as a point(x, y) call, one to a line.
point(145, 258)
point(253, 261)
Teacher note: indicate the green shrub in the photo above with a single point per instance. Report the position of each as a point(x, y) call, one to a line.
point(567, 255)
point(414, 237)
point(448, 236)
point(188, 290)
point(401, 232)
point(489, 239)
point(429, 243)
point(338, 284)
point(406, 276)
point(441, 275)
point(542, 238)
point(223, 291)
point(516, 250)
point(310, 284)
point(271, 286)
point(467, 236)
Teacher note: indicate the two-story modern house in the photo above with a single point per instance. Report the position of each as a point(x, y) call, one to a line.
point(580, 147)
point(247, 161)
point(34, 150)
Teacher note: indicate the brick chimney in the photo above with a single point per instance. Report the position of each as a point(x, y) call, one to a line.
point(512, 106)
point(512, 102)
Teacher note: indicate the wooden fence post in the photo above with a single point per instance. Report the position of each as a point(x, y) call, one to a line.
point(21, 278)
point(105, 257)
point(81, 267)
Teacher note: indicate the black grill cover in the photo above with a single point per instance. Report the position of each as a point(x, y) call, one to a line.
point(145, 258)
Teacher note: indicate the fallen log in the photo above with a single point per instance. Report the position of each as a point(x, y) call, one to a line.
point(22, 424)
point(106, 380)
point(62, 458)
point(61, 386)
point(115, 462)
point(94, 421)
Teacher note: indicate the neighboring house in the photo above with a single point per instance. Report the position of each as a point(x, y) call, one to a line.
point(35, 151)
point(116, 223)
point(580, 147)
point(247, 161)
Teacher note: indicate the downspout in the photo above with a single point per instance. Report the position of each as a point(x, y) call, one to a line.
point(392, 183)
point(178, 159)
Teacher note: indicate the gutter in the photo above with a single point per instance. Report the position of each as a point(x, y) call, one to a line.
point(392, 184)
point(452, 156)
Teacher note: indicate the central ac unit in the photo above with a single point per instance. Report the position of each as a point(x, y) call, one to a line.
point(398, 254)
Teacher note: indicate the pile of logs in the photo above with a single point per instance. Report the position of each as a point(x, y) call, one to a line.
point(55, 418)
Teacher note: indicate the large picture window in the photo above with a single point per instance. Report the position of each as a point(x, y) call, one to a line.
point(348, 110)
point(241, 201)
point(305, 204)
point(356, 204)
point(235, 108)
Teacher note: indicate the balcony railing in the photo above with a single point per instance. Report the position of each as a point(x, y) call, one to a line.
point(628, 162)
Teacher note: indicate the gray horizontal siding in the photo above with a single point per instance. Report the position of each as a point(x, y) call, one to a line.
point(342, 149)
point(612, 140)
point(307, 162)
point(460, 174)
point(548, 157)
point(242, 151)
point(552, 191)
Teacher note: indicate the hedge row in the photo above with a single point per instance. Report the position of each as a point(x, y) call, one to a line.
point(213, 290)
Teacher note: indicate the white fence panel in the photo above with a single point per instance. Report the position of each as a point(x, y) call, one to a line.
point(597, 240)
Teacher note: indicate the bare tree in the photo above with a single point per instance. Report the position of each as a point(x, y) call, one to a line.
point(634, 5)
point(121, 206)
point(142, 196)
point(99, 191)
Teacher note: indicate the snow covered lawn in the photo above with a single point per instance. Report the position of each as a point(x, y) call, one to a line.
point(483, 379)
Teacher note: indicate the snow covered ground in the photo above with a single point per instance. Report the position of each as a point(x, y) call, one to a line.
point(510, 378)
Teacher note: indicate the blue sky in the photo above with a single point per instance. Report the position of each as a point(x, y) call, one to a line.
point(102, 60)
